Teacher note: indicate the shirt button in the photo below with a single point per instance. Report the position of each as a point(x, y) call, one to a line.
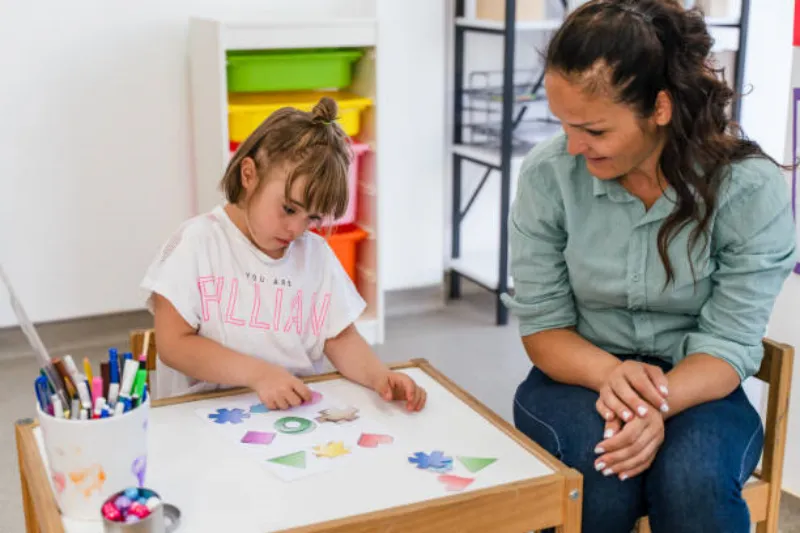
point(636, 277)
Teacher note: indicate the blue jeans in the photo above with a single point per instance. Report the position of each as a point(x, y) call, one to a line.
point(694, 484)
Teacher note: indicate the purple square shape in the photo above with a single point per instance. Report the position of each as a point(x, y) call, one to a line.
point(258, 437)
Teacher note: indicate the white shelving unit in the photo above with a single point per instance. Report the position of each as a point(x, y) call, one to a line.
point(210, 40)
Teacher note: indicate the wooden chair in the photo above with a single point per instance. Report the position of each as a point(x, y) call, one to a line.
point(763, 491)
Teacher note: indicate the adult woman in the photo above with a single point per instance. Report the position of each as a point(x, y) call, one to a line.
point(648, 246)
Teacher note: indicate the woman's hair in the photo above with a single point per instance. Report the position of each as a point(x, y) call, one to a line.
point(312, 142)
point(636, 48)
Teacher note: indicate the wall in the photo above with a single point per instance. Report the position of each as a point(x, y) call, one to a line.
point(94, 158)
point(764, 118)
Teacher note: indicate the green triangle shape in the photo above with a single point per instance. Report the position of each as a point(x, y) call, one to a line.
point(475, 464)
point(296, 459)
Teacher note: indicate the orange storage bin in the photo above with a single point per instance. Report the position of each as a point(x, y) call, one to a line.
point(344, 241)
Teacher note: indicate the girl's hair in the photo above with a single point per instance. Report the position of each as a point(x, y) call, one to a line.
point(636, 48)
point(313, 142)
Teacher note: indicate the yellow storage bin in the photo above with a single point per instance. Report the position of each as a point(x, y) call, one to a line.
point(246, 111)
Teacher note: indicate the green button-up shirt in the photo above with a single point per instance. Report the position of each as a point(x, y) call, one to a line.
point(584, 254)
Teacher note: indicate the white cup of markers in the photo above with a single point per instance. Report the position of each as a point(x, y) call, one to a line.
point(109, 393)
point(95, 438)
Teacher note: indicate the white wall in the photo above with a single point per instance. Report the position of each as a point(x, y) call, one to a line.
point(94, 143)
point(764, 118)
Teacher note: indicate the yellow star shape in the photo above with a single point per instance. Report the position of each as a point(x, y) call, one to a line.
point(331, 449)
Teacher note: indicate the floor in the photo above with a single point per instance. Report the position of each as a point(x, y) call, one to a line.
point(460, 340)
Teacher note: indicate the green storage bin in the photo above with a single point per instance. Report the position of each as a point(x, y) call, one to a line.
point(290, 70)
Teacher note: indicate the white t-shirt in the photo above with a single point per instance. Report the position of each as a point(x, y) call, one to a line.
point(281, 310)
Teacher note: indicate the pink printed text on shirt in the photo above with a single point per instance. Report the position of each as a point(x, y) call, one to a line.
point(295, 318)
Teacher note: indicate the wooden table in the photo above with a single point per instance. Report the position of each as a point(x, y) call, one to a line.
point(217, 489)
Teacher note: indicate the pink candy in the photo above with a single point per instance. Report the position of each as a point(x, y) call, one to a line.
point(130, 505)
point(139, 510)
point(111, 512)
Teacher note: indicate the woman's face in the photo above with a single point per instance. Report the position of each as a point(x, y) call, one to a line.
point(611, 136)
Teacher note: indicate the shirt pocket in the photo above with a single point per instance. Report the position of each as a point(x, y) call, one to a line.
point(691, 285)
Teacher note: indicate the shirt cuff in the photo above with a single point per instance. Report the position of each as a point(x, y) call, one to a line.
point(745, 359)
point(551, 313)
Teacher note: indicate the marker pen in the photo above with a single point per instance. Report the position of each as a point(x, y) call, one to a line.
point(139, 382)
point(42, 394)
point(75, 411)
point(80, 382)
point(97, 388)
point(98, 406)
point(113, 386)
point(87, 369)
point(128, 375)
point(58, 409)
point(105, 373)
point(66, 376)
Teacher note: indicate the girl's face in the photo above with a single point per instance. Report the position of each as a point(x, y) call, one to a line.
point(611, 136)
point(272, 220)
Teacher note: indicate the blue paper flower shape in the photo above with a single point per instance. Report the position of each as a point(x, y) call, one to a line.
point(435, 461)
point(232, 416)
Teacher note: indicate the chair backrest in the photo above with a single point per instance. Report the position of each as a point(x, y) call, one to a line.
point(776, 371)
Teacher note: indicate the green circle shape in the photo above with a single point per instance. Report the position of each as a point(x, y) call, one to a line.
point(293, 425)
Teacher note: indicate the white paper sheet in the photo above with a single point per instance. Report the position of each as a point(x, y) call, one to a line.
point(289, 455)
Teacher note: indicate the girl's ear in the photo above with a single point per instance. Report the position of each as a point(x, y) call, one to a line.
point(248, 174)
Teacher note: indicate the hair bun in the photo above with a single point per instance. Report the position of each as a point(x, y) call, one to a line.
point(326, 109)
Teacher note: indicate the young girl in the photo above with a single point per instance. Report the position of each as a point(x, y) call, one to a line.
point(246, 296)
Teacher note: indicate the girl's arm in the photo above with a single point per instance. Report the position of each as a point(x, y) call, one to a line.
point(354, 359)
point(180, 347)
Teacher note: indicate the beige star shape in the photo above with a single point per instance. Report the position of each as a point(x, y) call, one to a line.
point(338, 415)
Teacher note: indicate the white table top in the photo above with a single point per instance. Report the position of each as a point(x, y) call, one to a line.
point(195, 465)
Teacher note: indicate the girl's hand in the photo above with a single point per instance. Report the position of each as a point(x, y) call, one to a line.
point(398, 386)
point(633, 387)
point(632, 449)
point(279, 389)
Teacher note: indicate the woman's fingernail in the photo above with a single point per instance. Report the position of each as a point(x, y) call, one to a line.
point(664, 407)
point(623, 477)
point(663, 390)
point(608, 434)
point(607, 472)
point(609, 416)
point(599, 450)
point(626, 415)
point(642, 410)
point(600, 466)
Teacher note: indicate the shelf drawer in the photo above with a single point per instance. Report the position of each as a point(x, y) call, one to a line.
point(290, 70)
point(246, 111)
point(344, 242)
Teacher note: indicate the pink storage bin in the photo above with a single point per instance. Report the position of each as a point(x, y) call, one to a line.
point(359, 149)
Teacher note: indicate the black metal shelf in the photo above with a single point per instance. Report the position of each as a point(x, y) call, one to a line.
point(501, 147)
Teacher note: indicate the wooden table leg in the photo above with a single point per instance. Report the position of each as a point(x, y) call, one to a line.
point(573, 503)
point(31, 524)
